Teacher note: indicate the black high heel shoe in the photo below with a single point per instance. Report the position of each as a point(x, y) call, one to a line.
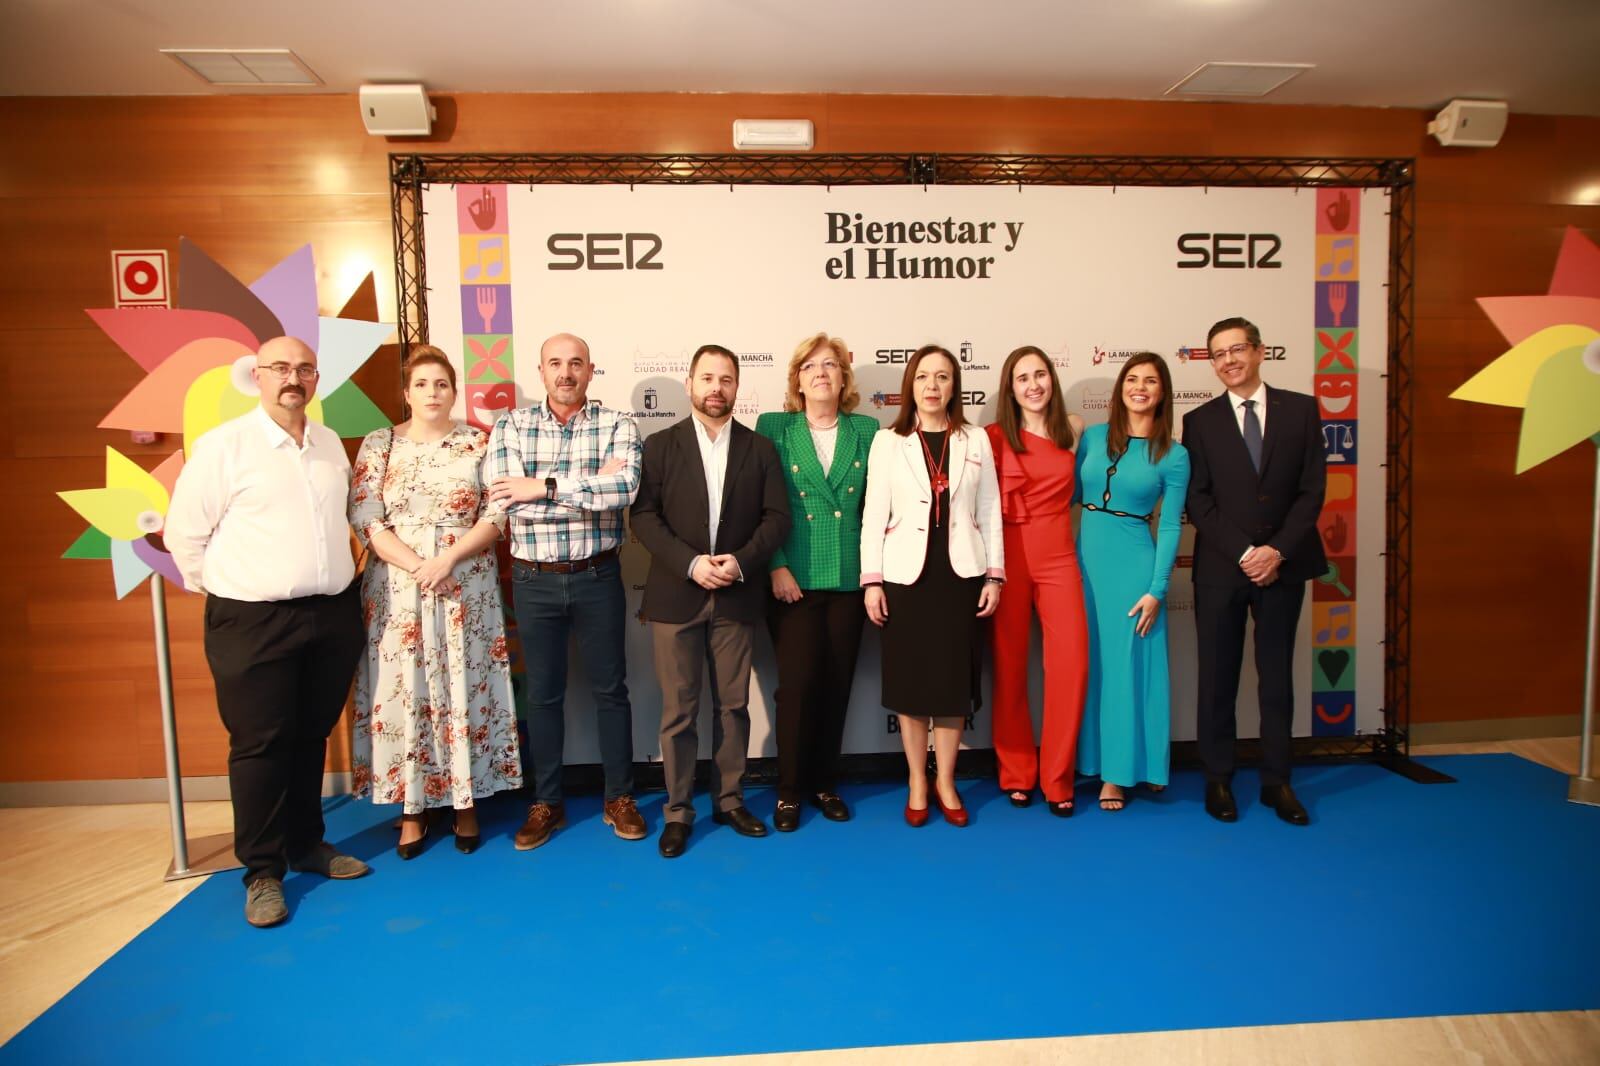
point(413, 849)
point(466, 845)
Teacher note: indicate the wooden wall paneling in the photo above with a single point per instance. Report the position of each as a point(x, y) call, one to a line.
point(251, 178)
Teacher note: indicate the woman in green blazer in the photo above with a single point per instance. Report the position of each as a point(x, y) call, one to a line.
point(817, 611)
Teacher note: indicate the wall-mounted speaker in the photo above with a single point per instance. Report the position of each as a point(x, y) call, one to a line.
point(396, 110)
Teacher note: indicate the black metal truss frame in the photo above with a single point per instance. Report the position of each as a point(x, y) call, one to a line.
point(409, 174)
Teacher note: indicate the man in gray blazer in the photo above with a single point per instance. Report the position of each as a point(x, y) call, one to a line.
point(711, 509)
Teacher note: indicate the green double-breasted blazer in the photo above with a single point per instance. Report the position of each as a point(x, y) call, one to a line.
point(823, 549)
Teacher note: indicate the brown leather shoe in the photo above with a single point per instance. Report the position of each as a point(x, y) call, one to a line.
point(623, 816)
point(543, 821)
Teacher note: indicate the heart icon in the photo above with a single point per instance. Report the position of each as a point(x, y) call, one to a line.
point(1334, 662)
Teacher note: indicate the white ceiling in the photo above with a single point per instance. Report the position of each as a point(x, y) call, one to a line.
point(1540, 55)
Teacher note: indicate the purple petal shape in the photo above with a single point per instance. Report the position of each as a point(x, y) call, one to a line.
point(157, 560)
point(290, 292)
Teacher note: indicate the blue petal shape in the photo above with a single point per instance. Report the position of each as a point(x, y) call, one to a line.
point(345, 344)
point(127, 569)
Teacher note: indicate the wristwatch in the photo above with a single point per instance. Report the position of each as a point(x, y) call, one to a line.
point(549, 488)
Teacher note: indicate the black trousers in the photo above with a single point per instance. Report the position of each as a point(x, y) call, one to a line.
point(817, 640)
point(1219, 617)
point(283, 671)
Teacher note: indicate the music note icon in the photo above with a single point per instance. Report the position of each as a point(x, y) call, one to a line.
point(1344, 257)
point(489, 259)
point(1339, 633)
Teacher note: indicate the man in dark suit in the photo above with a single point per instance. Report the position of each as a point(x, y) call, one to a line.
point(1255, 490)
point(712, 508)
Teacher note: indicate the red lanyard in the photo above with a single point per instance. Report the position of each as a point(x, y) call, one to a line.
point(940, 481)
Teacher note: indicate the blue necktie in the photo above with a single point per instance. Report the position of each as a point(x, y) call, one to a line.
point(1252, 434)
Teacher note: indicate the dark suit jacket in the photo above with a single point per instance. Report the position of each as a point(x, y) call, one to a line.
point(671, 517)
point(1232, 507)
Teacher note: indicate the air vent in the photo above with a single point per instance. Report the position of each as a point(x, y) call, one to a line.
point(235, 67)
point(1238, 79)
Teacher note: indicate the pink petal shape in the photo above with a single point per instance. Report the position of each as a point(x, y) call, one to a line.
point(167, 471)
point(1577, 270)
point(203, 285)
point(150, 334)
point(1520, 317)
point(289, 291)
point(156, 403)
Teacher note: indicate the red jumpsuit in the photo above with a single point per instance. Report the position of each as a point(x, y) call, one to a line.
point(1036, 495)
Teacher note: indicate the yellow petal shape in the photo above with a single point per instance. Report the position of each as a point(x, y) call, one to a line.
point(1563, 409)
point(124, 473)
point(1508, 380)
point(212, 400)
point(114, 512)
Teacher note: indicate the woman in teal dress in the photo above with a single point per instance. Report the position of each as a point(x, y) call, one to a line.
point(1128, 470)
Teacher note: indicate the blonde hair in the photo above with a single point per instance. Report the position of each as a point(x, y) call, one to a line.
point(848, 394)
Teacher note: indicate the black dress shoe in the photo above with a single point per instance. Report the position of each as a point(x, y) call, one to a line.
point(786, 817)
point(466, 844)
point(1282, 799)
point(744, 823)
point(674, 838)
point(832, 807)
point(412, 849)
point(1219, 801)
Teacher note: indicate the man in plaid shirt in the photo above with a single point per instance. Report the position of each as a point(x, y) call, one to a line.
point(565, 470)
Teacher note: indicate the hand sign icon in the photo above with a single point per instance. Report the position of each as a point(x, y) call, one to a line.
point(1337, 534)
point(482, 210)
point(1338, 212)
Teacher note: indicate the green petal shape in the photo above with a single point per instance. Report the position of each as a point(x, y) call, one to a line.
point(92, 545)
point(348, 412)
point(1563, 408)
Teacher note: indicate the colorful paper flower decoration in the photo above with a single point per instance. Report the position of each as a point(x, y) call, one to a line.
point(198, 358)
point(1552, 370)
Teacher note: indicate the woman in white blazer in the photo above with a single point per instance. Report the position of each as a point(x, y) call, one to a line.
point(932, 563)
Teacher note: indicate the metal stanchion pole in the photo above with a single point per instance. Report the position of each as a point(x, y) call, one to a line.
point(1584, 788)
point(215, 852)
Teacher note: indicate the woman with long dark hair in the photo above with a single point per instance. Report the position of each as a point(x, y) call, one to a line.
point(1129, 470)
point(1035, 443)
point(932, 563)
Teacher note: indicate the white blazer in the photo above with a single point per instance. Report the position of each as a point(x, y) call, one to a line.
point(894, 518)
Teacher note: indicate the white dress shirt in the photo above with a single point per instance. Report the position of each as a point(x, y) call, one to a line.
point(256, 517)
point(1260, 397)
point(714, 457)
point(823, 441)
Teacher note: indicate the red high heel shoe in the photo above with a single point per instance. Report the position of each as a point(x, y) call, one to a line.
point(916, 819)
point(956, 816)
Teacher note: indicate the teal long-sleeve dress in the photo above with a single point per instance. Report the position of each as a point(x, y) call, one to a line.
point(1127, 717)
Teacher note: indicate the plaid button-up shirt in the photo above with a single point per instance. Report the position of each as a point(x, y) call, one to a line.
point(585, 518)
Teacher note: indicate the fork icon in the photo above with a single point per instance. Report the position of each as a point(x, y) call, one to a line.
point(488, 300)
point(1338, 298)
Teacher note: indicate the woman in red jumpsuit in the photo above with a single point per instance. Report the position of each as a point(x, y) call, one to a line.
point(1034, 447)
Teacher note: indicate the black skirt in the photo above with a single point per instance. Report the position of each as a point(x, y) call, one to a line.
point(932, 642)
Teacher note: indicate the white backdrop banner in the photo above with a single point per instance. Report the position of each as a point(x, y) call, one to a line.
point(1091, 275)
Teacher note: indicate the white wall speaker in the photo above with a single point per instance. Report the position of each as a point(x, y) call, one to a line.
point(396, 110)
point(1471, 123)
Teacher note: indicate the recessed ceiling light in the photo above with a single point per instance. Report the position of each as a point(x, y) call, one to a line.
point(1238, 79)
point(244, 66)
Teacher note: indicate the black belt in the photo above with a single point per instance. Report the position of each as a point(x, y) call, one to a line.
point(1119, 514)
point(567, 567)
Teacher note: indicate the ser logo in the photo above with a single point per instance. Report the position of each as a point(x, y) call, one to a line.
point(1230, 251)
point(884, 356)
point(604, 251)
point(974, 397)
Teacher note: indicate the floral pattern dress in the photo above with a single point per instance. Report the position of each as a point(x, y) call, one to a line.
point(435, 724)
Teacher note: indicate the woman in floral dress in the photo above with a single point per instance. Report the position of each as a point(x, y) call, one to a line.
point(435, 724)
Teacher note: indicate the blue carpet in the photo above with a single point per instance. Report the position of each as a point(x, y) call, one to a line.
point(1400, 900)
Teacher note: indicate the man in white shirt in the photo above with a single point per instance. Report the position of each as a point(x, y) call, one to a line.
point(257, 523)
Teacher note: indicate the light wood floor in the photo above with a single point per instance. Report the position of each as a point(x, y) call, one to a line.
point(81, 882)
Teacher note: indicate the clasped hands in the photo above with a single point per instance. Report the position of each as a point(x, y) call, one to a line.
point(1260, 564)
point(436, 575)
point(715, 571)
